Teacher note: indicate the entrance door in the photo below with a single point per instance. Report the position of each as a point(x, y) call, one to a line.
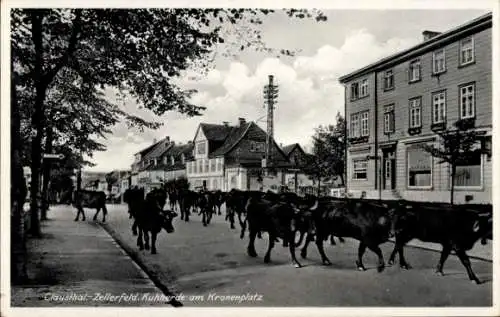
point(389, 170)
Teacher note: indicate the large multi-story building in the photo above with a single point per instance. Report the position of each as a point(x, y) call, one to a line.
point(227, 157)
point(397, 104)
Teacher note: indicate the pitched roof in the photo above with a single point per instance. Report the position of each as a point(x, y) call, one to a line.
point(232, 139)
point(248, 130)
point(215, 132)
point(480, 22)
point(287, 149)
point(160, 148)
point(149, 148)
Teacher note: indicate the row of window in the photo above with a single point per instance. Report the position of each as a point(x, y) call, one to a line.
point(467, 108)
point(204, 166)
point(359, 125)
point(359, 89)
point(419, 170)
point(210, 185)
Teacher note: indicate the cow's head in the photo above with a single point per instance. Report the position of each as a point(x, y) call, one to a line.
point(483, 227)
point(167, 216)
point(400, 216)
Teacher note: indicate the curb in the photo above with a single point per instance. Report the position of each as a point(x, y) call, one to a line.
point(439, 251)
point(134, 256)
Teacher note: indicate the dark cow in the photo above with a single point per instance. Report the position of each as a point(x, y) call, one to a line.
point(206, 203)
point(236, 203)
point(454, 227)
point(90, 199)
point(173, 198)
point(134, 198)
point(187, 200)
point(278, 219)
point(218, 198)
point(152, 218)
point(367, 222)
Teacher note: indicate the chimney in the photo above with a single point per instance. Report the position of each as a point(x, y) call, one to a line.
point(154, 141)
point(167, 139)
point(427, 35)
point(225, 123)
point(190, 142)
point(242, 121)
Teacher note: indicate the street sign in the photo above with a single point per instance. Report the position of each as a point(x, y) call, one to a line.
point(53, 156)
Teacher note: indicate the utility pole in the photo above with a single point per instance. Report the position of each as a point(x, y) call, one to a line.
point(270, 99)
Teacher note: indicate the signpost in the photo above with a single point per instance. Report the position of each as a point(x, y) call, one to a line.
point(53, 156)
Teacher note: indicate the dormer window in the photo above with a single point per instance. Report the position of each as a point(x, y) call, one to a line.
point(183, 158)
point(156, 161)
point(172, 160)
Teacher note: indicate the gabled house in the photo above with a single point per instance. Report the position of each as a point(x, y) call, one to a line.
point(295, 177)
point(150, 174)
point(227, 157)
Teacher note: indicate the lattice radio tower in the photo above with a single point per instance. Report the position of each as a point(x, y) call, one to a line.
point(270, 99)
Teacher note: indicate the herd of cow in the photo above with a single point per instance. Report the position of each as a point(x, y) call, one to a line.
point(286, 215)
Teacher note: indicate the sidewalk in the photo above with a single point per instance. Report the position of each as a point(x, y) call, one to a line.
point(79, 264)
point(479, 251)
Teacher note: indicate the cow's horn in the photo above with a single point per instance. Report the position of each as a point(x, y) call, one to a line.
point(315, 206)
point(484, 214)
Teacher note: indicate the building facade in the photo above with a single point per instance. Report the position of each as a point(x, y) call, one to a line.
point(396, 105)
point(230, 157)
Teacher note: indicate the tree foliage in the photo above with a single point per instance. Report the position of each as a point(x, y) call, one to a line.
point(329, 150)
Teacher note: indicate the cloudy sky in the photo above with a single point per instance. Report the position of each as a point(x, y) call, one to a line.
point(310, 94)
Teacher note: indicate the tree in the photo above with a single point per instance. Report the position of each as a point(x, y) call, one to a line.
point(329, 149)
point(140, 52)
point(456, 147)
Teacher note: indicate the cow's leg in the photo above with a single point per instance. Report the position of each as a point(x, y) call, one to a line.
point(146, 239)
point(244, 227)
point(464, 258)
point(96, 213)
point(218, 210)
point(82, 211)
point(303, 252)
point(341, 239)
point(187, 213)
point(204, 217)
point(361, 252)
point(444, 255)
point(251, 244)
point(291, 246)
point(378, 252)
point(230, 217)
point(321, 250)
point(134, 227)
point(210, 214)
point(153, 241)
point(267, 257)
point(332, 240)
point(139, 239)
point(104, 212)
point(399, 247)
point(79, 210)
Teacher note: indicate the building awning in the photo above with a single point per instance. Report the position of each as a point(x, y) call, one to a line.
point(388, 145)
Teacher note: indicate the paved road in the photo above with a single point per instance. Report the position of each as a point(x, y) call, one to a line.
point(203, 261)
